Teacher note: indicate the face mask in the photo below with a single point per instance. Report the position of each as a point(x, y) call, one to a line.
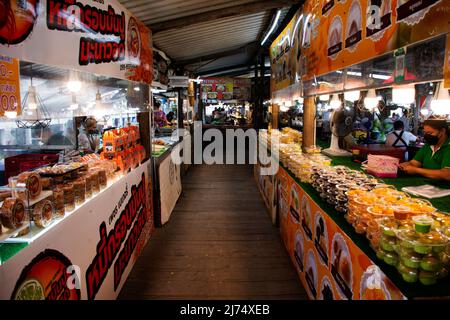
point(93, 131)
point(431, 140)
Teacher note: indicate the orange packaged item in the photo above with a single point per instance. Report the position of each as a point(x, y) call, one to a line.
point(12, 213)
point(110, 142)
point(58, 201)
point(43, 213)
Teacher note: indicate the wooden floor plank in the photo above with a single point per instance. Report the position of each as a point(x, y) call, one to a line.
point(219, 244)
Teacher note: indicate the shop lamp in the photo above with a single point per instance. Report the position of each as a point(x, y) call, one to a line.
point(137, 89)
point(371, 100)
point(403, 95)
point(351, 96)
point(74, 86)
point(284, 107)
point(425, 112)
point(440, 105)
point(324, 97)
point(300, 100)
point(32, 101)
point(335, 102)
point(74, 104)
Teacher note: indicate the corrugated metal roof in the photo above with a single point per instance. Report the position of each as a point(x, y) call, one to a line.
point(211, 37)
point(158, 11)
point(206, 37)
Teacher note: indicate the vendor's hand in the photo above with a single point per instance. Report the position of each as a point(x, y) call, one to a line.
point(409, 169)
point(403, 165)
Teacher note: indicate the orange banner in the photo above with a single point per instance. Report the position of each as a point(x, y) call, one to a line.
point(447, 64)
point(329, 264)
point(329, 35)
point(285, 55)
point(9, 85)
point(341, 33)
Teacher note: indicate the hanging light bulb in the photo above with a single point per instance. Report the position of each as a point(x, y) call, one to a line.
point(324, 97)
point(32, 100)
point(74, 104)
point(440, 104)
point(335, 102)
point(371, 101)
point(74, 86)
point(425, 112)
point(351, 96)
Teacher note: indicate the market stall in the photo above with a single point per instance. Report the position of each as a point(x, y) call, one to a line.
point(76, 206)
point(351, 234)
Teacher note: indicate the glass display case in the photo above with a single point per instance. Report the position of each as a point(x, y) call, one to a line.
point(76, 135)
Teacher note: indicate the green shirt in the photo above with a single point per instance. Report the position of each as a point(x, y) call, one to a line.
point(439, 160)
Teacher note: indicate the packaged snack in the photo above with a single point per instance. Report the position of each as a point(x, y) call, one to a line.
point(79, 186)
point(12, 213)
point(69, 197)
point(29, 180)
point(102, 178)
point(58, 201)
point(43, 213)
point(95, 184)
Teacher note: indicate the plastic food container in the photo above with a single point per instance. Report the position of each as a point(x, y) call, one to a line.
point(58, 202)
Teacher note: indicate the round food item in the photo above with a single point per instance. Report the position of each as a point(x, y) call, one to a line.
point(32, 181)
point(427, 278)
point(411, 260)
point(423, 248)
point(408, 274)
point(43, 213)
point(423, 223)
point(430, 263)
point(388, 243)
point(12, 213)
point(391, 258)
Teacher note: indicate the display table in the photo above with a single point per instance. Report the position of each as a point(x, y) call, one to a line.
point(316, 234)
point(94, 246)
point(166, 181)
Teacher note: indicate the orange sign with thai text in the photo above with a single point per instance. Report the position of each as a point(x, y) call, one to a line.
point(9, 85)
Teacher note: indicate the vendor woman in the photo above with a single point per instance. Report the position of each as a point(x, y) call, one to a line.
point(433, 160)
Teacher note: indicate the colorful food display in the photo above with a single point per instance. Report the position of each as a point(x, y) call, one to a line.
point(405, 232)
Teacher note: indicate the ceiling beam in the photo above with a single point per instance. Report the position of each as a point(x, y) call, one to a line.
point(243, 9)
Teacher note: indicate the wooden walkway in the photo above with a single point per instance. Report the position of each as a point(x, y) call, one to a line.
point(219, 244)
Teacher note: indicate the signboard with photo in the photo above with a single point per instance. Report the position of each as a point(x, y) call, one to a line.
point(96, 37)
